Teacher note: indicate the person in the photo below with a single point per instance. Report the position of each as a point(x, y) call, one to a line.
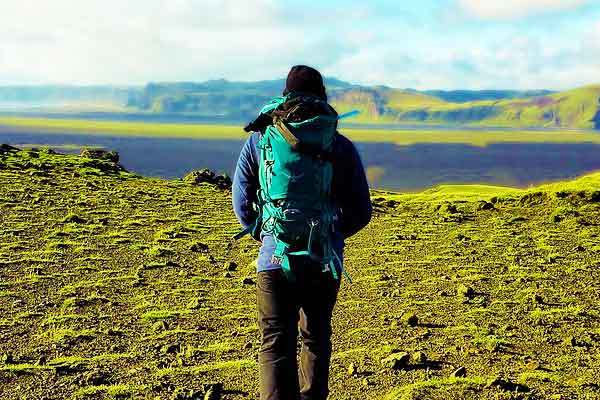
point(306, 302)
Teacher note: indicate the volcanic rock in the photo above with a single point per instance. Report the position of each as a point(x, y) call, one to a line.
point(99, 154)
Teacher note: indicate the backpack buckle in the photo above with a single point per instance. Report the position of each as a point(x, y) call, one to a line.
point(313, 222)
point(276, 260)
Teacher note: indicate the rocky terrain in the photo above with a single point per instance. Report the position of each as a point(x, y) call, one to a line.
point(114, 285)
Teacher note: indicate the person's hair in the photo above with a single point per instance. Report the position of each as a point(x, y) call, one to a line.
point(305, 79)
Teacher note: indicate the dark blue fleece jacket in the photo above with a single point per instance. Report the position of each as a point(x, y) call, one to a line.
point(350, 193)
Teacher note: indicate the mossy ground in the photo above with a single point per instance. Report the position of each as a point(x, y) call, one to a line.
point(118, 286)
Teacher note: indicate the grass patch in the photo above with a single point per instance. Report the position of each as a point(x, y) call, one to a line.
point(551, 315)
point(99, 359)
point(159, 315)
point(62, 318)
point(157, 251)
point(24, 368)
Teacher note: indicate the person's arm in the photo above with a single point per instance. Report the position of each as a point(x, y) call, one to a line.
point(351, 190)
point(245, 183)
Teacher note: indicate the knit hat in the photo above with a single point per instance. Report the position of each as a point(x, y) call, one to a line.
point(304, 79)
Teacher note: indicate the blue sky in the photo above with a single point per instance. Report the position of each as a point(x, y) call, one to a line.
point(426, 44)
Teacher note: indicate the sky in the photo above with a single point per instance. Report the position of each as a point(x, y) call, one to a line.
point(425, 44)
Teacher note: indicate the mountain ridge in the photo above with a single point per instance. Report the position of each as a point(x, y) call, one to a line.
point(379, 104)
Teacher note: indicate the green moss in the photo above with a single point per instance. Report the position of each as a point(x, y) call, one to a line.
point(209, 367)
point(490, 342)
point(115, 314)
point(163, 314)
point(58, 319)
point(552, 315)
point(99, 359)
point(158, 251)
point(24, 368)
point(533, 377)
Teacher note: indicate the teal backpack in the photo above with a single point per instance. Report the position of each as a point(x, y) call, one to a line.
point(295, 205)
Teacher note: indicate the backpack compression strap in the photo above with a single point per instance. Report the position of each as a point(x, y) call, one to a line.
point(281, 257)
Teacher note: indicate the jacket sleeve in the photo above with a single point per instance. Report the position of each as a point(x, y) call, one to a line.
point(245, 183)
point(351, 190)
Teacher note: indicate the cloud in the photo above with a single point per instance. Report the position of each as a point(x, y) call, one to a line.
point(151, 40)
point(514, 9)
point(499, 60)
point(138, 41)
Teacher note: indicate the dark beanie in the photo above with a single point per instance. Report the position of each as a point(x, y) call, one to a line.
point(305, 80)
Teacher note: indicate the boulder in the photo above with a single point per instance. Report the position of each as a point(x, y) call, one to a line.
point(419, 357)
point(460, 372)
point(7, 358)
point(205, 175)
point(465, 291)
point(391, 203)
point(99, 154)
point(506, 385)
point(410, 319)
point(171, 348)
point(396, 360)
point(247, 281)
point(222, 182)
point(213, 391)
point(199, 247)
point(187, 394)
point(6, 148)
point(200, 176)
point(484, 206)
point(230, 266)
point(448, 208)
point(73, 219)
point(160, 326)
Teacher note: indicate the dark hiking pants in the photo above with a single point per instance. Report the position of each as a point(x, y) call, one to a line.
point(283, 307)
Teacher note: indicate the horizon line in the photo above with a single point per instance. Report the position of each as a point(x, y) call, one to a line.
point(358, 85)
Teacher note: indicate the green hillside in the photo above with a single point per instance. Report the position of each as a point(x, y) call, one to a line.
point(222, 98)
point(116, 286)
point(239, 102)
point(579, 108)
point(379, 104)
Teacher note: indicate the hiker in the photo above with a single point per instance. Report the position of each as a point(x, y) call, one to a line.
point(300, 189)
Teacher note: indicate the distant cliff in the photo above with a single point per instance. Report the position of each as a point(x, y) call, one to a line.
point(222, 98)
point(577, 108)
point(240, 101)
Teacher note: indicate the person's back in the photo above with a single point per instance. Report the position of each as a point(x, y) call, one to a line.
point(305, 296)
